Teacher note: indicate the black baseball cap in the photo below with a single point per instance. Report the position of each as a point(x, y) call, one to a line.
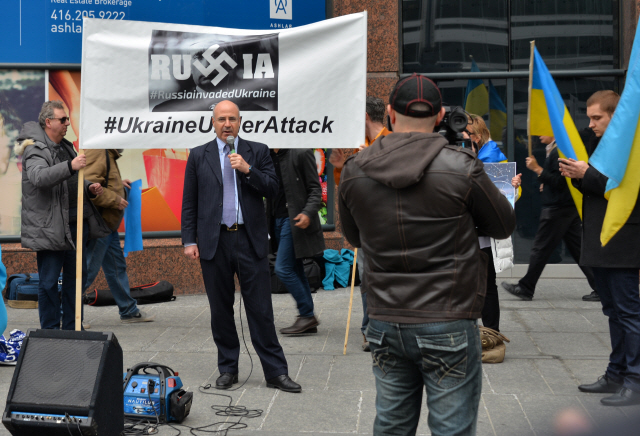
point(416, 89)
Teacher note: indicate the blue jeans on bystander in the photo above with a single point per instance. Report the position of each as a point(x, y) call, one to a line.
point(107, 253)
point(444, 358)
point(50, 263)
point(290, 270)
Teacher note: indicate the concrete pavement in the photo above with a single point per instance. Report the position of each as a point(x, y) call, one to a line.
point(557, 342)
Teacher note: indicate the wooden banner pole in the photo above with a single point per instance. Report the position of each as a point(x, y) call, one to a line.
point(353, 282)
point(79, 247)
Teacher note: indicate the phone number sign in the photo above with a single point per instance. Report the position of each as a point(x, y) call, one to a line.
point(50, 31)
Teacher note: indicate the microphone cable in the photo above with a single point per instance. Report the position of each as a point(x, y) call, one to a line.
point(237, 198)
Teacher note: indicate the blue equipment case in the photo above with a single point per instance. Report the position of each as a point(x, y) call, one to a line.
point(148, 395)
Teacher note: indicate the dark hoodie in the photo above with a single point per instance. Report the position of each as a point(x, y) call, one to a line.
point(413, 204)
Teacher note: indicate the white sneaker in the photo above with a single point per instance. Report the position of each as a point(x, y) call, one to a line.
point(138, 317)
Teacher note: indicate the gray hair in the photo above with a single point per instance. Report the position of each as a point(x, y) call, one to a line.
point(375, 109)
point(47, 111)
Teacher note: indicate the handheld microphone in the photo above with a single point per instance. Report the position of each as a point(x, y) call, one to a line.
point(230, 141)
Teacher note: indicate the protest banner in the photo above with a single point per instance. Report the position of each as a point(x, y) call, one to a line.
point(154, 85)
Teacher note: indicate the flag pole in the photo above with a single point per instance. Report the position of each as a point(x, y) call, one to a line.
point(533, 45)
point(353, 282)
point(79, 245)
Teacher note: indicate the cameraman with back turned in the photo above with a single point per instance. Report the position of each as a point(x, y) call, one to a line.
point(426, 275)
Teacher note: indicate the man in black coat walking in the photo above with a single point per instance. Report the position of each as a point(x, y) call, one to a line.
point(559, 220)
point(295, 228)
point(615, 266)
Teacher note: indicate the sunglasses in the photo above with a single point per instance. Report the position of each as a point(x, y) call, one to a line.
point(62, 120)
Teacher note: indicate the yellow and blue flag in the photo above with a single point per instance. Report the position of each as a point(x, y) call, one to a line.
point(549, 117)
point(497, 113)
point(476, 100)
point(618, 153)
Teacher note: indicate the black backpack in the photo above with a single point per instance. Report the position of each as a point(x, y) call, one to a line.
point(157, 292)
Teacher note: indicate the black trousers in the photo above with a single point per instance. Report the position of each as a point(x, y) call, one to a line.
point(491, 308)
point(234, 255)
point(556, 224)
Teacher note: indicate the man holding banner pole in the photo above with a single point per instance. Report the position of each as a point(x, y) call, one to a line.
point(615, 265)
point(50, 211)
point(225, 227)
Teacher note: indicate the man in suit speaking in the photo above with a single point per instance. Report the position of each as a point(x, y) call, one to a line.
point(224, 225)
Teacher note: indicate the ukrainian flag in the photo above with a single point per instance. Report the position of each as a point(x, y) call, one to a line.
point(497, 113)
point(549, 117)
point(477, 98)
point(618, 153)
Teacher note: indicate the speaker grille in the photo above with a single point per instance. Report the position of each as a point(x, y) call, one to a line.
point(60, 372)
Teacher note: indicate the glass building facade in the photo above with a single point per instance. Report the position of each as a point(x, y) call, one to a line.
point(579, 41)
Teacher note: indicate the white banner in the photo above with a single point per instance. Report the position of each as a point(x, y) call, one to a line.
point(154, 85)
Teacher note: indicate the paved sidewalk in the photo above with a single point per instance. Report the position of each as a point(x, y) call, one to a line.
point(557, 342)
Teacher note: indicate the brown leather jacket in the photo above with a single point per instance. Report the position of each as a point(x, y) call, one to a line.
point(95, 171)
point(415, 205)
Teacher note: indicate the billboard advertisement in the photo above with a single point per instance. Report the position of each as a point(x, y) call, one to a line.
point(50, 31)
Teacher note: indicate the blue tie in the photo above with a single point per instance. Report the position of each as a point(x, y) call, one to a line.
point(229, 196)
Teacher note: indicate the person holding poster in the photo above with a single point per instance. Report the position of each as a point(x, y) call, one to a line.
point(426, 277)
point(50, 211)
point(224, 226)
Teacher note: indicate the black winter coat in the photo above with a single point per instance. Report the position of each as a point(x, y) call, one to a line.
point(304, 195)
point(623, 250)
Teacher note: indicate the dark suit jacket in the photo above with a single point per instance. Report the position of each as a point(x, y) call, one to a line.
point(203, 192)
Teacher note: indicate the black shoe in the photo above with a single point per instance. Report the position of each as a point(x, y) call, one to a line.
point(624, 397)
point(303, 324)
point(284, 383)
point(517, 290)
point(602, 386)
point(591, 297)
point(226, 380)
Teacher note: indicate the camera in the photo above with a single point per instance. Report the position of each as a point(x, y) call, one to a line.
point(453, 124)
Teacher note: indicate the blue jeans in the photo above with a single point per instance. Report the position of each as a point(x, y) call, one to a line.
point(444, 358)
point(107, 253)
point(50, 263)
point(290, 270)
point(618, 290)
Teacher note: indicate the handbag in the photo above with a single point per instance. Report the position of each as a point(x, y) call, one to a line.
point(493, 346)
point(22, 290)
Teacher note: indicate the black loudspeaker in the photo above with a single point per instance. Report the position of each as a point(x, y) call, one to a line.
point(66, 382)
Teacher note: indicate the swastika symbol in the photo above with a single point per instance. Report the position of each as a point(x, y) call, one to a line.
point(215, 64)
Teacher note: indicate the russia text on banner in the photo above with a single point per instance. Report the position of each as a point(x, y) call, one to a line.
point(477, 98)
point(154, 85)
point(497, 113)
point(550, 117)
point(618, 153)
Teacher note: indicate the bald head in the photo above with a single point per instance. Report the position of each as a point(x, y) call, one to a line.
point(226, 119)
